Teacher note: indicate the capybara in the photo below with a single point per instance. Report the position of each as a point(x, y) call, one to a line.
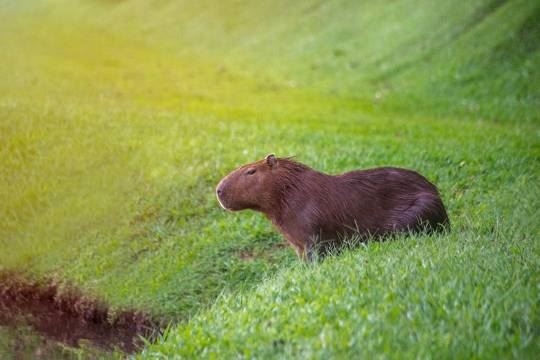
point(316, 211)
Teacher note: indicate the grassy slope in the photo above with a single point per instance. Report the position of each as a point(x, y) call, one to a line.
point(115, 127)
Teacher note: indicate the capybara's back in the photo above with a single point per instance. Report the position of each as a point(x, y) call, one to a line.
point(392, 200)
point(314, 210)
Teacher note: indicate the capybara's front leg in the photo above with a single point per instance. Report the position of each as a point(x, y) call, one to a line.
point(305, 251)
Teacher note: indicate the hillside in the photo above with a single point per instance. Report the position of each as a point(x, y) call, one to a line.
point(118, 118)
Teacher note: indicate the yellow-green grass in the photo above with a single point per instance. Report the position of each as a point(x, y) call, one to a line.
point(117, 119)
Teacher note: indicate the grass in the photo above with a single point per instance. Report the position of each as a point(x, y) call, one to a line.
point(117, 119)
point(450, 296)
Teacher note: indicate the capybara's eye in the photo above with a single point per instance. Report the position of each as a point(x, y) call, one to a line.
point(251, 171)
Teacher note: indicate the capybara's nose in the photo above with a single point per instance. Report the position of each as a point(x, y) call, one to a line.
point(219, 191)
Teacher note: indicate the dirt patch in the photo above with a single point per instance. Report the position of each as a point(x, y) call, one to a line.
point(266, 253)
point(63, 314)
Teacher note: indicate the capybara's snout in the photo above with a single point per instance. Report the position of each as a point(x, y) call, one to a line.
point(219, 194)
point(223, 194)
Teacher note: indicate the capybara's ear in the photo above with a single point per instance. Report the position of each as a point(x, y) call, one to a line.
point(271, 160)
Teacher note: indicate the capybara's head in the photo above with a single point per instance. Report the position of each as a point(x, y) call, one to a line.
point(248, 187)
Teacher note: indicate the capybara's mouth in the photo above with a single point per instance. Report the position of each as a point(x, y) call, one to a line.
point(222, 203)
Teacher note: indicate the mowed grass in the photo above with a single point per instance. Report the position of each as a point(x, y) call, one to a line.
point(117, 119)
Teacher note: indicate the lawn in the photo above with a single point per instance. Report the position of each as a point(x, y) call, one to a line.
point(118, 118)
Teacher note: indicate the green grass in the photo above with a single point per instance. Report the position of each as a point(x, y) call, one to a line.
point(117, 119)
point(449, 297)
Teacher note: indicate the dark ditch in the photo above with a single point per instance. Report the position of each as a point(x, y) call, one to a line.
point(40, 319)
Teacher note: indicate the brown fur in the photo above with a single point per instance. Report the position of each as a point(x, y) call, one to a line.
point(314, 210)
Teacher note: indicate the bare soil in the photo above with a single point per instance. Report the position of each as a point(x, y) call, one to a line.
point(63, 314)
